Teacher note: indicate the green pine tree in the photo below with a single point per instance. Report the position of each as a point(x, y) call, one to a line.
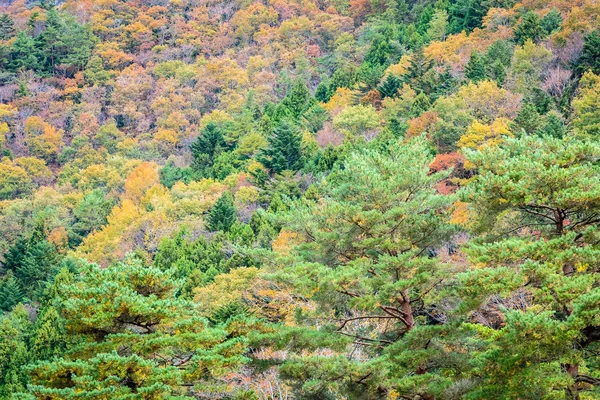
point(536, 202)
point(134, 336)
point(207, 148)
point(552, 21)
point(23, 54)
point(365, 263)
point(298, 101)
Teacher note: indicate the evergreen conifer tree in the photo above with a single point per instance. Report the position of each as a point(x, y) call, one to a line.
point(390, 86)
point(7, 27)
point(530, 28)
point(590, 55)
point(10, 292)
point(285, 149)
point(222, 215)
point(476, 67)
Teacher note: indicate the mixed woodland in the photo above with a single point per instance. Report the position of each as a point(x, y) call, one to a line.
point(300, 199)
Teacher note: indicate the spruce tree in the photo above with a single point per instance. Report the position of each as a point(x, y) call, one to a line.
point(24, 54)
point(207, 148)
point(476, 68)
point(285, 149)
point(298, 101)
point(10, 292)
point(419, 105)
point(390, 86)
point(530, 28)
point(222, 215)
point(7, 27)
point(590, 55)
point(552, 21)
point(321, 93)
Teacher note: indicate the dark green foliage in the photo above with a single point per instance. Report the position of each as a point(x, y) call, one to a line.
point(170, 174)
point(321, 93)
point(420, 72)
point(590, 56)
point(222, 215)
point(209, 145)
point(500, 51)
point(476, 67)
point(466, 15)
point(33, 262)
point(315, 118)
point(528, 119)
point(552, 21)
point(11, 293)
point(390, 86)
point(39, 264)
point(420, 105)
point(23, 54)
point(285, 149)
point(553, 127)
point(297, 102)
point(380, 51)
point(62, 46)
point(530, 28)
point(7, 27)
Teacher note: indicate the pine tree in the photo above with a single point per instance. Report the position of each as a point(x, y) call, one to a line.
point(285, 149)
point(380, 51)
point(15, 330)
point(49, 337)
point(365, 264)
point(553, 126)
point(222, 215)
point(390, 86)
point(538, 199)
point(135, 336)
point(419, 105)
point(40, 264)
point(527, 120)
point(418, 69)
point(466, 15)
point(476, 68)
point(321, 93)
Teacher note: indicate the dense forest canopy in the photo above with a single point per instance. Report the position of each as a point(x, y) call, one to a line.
point(300, 199)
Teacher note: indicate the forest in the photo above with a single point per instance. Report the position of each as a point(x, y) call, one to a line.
point(300, 199)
